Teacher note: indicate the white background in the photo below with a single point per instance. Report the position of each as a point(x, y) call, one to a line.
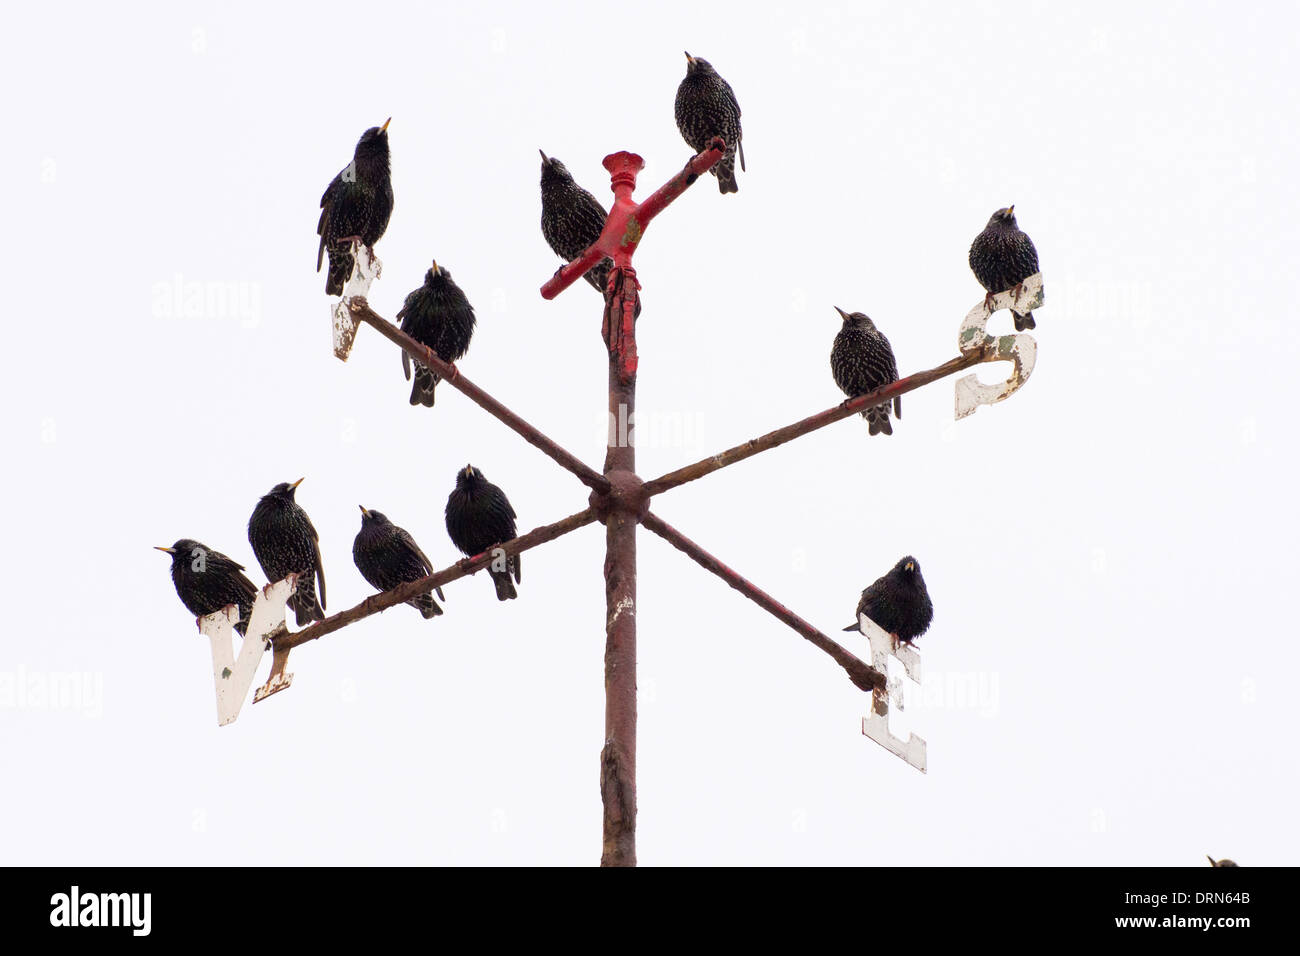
point(1110, 552)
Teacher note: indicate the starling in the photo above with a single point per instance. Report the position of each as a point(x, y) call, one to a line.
point(898, 602)
point(862, 361)
point(706, 107)
point(1002, 257)
point(479, 517)
point(572, 219)
point(356, 205)
point(207, 581)
point(437, 315)
point(284, 542)
point(1214, 862)
point(387, 556)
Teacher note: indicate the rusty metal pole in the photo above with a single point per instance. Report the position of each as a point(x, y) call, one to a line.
point(623, 512)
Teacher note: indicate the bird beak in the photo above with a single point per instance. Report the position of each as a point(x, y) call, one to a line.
point(297, 483)
point(436, 270)
point(364, 511)
point(690, 59)
point(843, 315)
point(469, 471)
point(168, 550)
point(1011, 210)
point(384, 128)
point(911, 566)
point(544, 159)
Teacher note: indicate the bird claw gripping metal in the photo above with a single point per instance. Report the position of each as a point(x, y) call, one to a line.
point(233, 676)
point(1020, 349)
point(876, 724)
point(365, 271)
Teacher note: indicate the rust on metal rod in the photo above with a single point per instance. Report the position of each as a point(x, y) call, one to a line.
point(362, 312)
point(864, 676)
point(810, 424)
point(403, 593)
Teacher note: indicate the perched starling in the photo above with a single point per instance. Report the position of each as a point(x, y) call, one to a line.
point(479, 517)
point(387, 556)
point(898, 602)
point(706, 107)
point(285, 543)
point(437, 315)
point(862, 361)
point(1214, 862)
point(207, 581)
point(572, 219)
point(356, 205)
point(1002, 257)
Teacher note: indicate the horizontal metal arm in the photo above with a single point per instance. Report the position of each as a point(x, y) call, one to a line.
point(864, 676)
point(361, 312)
point(403, 593)
point(810, 424)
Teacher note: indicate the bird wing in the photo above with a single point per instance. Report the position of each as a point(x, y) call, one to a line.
point(326, 206)
point(320, 565)
point(405, 537)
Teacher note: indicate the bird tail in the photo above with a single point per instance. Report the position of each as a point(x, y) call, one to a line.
point(878, 420)
point(341, 263)
point(505, 587)
point(422, 388)
point(1025, 321)
point(725, 170)
point(305, 604)
point(426, 605)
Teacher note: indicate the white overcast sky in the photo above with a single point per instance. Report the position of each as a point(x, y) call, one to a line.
point(1110, 552)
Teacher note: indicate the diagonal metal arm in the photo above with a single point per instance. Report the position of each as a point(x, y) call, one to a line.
point(810, 424)
point(863, 675)
point(361, 312)
point(403, 593)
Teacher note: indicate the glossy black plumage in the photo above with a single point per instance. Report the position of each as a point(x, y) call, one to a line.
point(357, 204)
point(572, 219)
point(285, 542)
point(479, 516)
point(387, 556)
point(1002, 257)
point(207, 580)
point(863, 361)
point(706, 107)
point(438, 315)
point(898, 602)
point(1223, 862)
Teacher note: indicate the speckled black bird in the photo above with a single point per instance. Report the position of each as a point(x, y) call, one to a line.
point(438, 315)
point(479, 517)
point(706, 107)
point(207, 581)
point(898, 602)
point(1223, 862)
point(387, 556)
point(1002, 257)
point(572, 219)
point(357, 204)
point(285, 542)
point(862, 361)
